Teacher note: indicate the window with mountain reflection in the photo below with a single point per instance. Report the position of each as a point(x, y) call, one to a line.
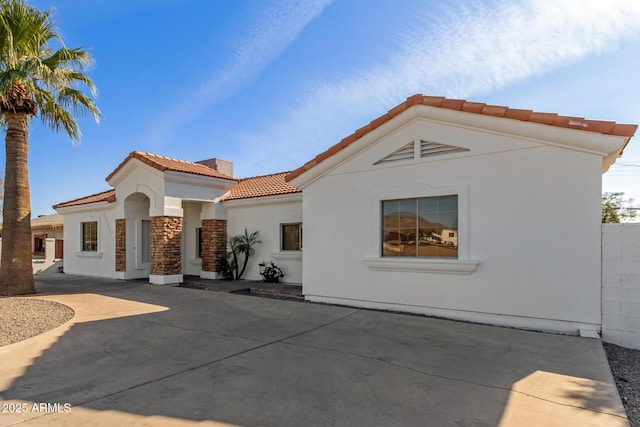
point(420, 227)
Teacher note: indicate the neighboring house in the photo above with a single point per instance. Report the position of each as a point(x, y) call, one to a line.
point(442, 207)
point(47, 243)
point(46, 227)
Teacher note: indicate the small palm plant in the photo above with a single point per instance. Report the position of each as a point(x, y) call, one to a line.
point(242, 246)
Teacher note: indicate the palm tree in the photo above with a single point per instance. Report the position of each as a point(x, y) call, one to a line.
point(242, 244)
point(35, 79)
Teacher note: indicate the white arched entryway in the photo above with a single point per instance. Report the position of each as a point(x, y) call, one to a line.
point(133, 237)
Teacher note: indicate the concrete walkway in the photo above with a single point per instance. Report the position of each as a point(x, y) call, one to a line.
point(138, 354)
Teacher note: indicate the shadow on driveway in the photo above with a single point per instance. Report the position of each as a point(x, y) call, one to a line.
point(138, 354)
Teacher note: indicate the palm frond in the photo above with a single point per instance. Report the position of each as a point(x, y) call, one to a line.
point(55, 76)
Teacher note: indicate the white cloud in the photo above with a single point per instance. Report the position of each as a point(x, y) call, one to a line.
point(278, 26)
point(464, 50)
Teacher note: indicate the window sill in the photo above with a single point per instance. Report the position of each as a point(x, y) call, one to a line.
point(197, 261)
point(287, 255)
point(422, 265)
point(89, 254)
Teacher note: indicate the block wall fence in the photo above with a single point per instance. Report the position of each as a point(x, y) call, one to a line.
point(621, 284)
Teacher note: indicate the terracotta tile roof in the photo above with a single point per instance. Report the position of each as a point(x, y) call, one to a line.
point(47, 221)
point(258, 186)
point(163, 163)
point(552, 119)
point(105, 196)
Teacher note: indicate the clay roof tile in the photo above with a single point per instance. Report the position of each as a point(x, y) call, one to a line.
point(105, 196)
point(552, 119)
point(163, 163)
point(259, 186)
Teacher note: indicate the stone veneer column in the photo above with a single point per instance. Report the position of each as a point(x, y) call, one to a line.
point(166, 244)
point(121, 244)
point(214, 245)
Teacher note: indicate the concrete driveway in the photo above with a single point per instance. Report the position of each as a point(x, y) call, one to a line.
point(139, 354)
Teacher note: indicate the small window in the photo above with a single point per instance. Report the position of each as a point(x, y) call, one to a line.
point(291, 237)
point(198, 242)
point(90, 236)
point(420, 227)
point(39, 244)
point(145, 247)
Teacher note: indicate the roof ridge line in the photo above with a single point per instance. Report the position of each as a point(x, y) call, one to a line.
point(603, 127)
point(265, 175)
point(175, 159)
point(87, 197)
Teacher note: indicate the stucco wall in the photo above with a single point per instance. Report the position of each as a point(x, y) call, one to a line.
point(529, 214)
point(100, 263)
point(265, 214)
point(621, 284)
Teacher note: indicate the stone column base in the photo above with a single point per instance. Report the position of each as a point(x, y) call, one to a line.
point(212, 275)
point(171, 279)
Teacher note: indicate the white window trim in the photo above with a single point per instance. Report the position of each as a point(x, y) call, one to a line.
point(422, 265)
point(462, 265)
point(287, 255)
point(88, 254)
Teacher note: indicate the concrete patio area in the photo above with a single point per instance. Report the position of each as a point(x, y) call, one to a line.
point(137, 354)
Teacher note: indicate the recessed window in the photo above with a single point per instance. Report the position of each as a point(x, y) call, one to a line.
point(291, 237)
point(420, 227)
point(198, 242)
point(145, 237)
point(39, 244)
point(90, 236)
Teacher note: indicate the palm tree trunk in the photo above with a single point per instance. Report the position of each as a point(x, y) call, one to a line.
point(16, 271)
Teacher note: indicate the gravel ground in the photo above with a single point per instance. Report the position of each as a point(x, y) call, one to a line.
point(22, 318)
point(625, 367)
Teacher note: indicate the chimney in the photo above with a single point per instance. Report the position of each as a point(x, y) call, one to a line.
point(222, 166)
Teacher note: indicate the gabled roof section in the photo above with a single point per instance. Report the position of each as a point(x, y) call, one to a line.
point(47, 221)
point(550, 119)
point(163, 163)
point(106, 196)
point(259, 186)
point(54, 221)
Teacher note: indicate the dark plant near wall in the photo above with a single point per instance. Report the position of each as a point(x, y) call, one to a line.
point(225, 267)
point(241, 248)
point(270, 272)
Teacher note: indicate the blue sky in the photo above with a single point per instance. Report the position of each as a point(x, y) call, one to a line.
point(268, 84)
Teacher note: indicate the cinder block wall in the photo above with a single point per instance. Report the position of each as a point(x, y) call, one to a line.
point(621, 284)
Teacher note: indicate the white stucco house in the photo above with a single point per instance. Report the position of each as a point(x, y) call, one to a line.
point(440, 206)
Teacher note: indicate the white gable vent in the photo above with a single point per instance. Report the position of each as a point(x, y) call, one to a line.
point(404, 153)
point(429, 148)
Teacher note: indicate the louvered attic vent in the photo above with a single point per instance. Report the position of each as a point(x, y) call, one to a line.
point(405, 153)
point(427, 149)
